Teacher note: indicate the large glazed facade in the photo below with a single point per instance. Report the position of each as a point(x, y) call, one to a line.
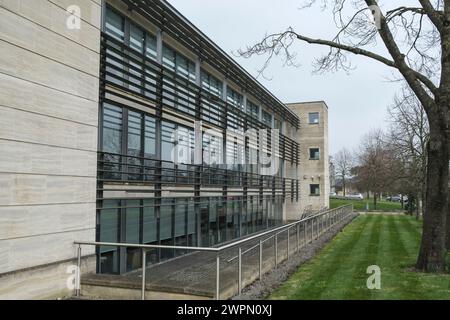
point(153, 89)
point(107, 120)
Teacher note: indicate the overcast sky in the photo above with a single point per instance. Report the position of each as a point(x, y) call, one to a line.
point(357, 101)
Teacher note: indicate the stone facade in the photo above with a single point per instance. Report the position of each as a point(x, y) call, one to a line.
point(48, 141)
point(311, 171)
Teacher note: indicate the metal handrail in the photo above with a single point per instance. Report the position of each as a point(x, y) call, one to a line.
point(213, 249)
point(273, 234)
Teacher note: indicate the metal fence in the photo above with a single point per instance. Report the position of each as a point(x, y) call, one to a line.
point(263, 251)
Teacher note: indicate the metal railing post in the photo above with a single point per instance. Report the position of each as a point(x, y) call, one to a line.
point(218, 276)
point(288, 241)
point(144, 267)
point(305, 233)
point(240, 271)
point(260, 258)
point(78, 279)
point(298, 237)
point(317, 228)
point(276, 250)
point(329, 221)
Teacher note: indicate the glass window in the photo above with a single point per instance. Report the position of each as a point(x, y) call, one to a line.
point(115, 24)
point(204, 222)
point(235, 99)
point(166, 219)
point(185, 140)
point(212, 149)
point(134, 133)
point(168, 143)
point(134, 145)
point(213, 223)
point(192, 224)
point(222, 215)
point(166, 225)
point(112, 128)
point(169, 58)
point(150, 222)
point(212, 110)
point(109, 232)
point(132, 233)
point(278, 124)
point(314, 154)
point(252, 109)
point(267, 118)
point(314, 189)
point(133, 212)
point(211, 84)
point(150, 137)
point(313, 117)
point(178, 63)
point(150, 47)
point(180, 224)
point(150, 230)
point(136, 38)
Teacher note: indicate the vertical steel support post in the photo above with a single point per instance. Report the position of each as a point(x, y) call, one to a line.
point(78, 278)
point(288, 241)
point(240, 271)
point(276, 250)
point(218, 276)
point(144, 267)
point(260, 258)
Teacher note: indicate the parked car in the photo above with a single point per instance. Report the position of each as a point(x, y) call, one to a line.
point(355, 196)
point(397, 198)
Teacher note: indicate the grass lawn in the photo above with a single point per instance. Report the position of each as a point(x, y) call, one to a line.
point(339, 270)
point(360, 205)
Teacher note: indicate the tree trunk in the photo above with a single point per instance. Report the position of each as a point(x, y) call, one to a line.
point(432, 248)
point(448, 219)
point(343, 185)
point(418, 206)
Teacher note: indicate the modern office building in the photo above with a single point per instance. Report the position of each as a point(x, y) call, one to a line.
point(120, 121)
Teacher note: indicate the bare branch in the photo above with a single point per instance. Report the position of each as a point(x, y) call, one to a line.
point(435, 16)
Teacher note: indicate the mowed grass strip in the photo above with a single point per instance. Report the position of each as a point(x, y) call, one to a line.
point(339, 270)
point(360, 205)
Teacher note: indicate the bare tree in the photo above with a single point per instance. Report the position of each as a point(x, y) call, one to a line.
point(408, 137)
point(343, 164)
point(417, 39)
point(378, 167)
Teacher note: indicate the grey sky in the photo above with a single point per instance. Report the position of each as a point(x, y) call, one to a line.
point(357, 101)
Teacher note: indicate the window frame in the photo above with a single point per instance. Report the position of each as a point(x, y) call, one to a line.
point(310, 189)
point(318, 118)
point(318, 151)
